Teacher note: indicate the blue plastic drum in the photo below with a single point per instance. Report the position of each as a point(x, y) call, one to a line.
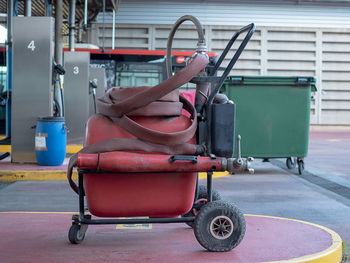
point(50, 140)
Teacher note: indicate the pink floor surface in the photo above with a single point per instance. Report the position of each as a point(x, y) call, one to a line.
point(43, 238)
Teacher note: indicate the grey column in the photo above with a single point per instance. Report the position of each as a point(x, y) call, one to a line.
point(9, 64)
point(28, 8)
point(58, 31)
point(72, 5)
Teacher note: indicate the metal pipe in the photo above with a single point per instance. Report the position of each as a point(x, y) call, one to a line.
point(48, 8)
point(58, 90)
point(81, 195)
point(72, 5)
point(201, 46)
point(210, 186)
point(85, 14)
point(10, 4)
point(58, 31)
point(202, 89)
point(136, 221)
point(113, 30)
point(103, 24)
point(10, 10)
point(28, 8)
point(80, 31)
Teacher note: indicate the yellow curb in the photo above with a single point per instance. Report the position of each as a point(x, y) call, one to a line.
point(14, 176)
point(5, 148)
point(61, 175)
point(215, 175)
point(332, 254)
point(70, 149)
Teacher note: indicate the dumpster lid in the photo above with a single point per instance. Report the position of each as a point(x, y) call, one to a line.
point(272, 80)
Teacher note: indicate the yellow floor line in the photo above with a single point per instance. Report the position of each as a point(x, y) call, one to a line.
point(13, 176)
point(71, 149)
point(332, 254)
point(215, 175)
point(5, 148)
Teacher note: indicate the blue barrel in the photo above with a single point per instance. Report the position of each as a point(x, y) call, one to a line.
point(50, 140)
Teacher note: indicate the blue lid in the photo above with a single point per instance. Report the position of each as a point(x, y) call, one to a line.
point(51, 118)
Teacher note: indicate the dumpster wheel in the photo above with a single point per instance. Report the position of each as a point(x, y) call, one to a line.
point(301, 166)
point(291, 162)
point(220, 226)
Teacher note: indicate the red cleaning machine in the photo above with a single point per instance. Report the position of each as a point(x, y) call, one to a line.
point(142, 155)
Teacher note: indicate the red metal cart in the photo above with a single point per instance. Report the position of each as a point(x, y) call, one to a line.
point(134, 176)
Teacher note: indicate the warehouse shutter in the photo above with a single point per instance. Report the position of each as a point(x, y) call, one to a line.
point(275, 51)
point(335, 77)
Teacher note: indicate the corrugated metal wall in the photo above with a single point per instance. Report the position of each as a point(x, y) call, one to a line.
point(233, 12)
point(323, 52)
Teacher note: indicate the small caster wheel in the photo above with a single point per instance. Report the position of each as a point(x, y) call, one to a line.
point(220, 226)
point(75, 234)
point(201, 199)
point(300, 166)
point(291, 162)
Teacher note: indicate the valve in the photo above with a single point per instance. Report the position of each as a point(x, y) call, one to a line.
point(239, 164)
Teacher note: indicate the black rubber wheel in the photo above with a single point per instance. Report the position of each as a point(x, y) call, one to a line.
point(301, 166)
point(202, 194)
point(290, 162)
point(75, 236)
point(220, 226)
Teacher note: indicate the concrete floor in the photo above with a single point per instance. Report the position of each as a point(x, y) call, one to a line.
point(321, 195)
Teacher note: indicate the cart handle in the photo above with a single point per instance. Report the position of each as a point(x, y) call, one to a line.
point(250, 28)
point(189, 158)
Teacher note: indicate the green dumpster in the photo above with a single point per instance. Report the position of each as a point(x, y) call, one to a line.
point(272, 116)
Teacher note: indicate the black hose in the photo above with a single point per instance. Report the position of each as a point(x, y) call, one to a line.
point(94, 99)
point(62, 100)
point(200, 44)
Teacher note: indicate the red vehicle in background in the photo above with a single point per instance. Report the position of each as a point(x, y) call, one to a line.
point(137, 67)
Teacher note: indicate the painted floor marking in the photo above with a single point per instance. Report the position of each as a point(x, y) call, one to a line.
point(133, 226)
point(332, 254)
